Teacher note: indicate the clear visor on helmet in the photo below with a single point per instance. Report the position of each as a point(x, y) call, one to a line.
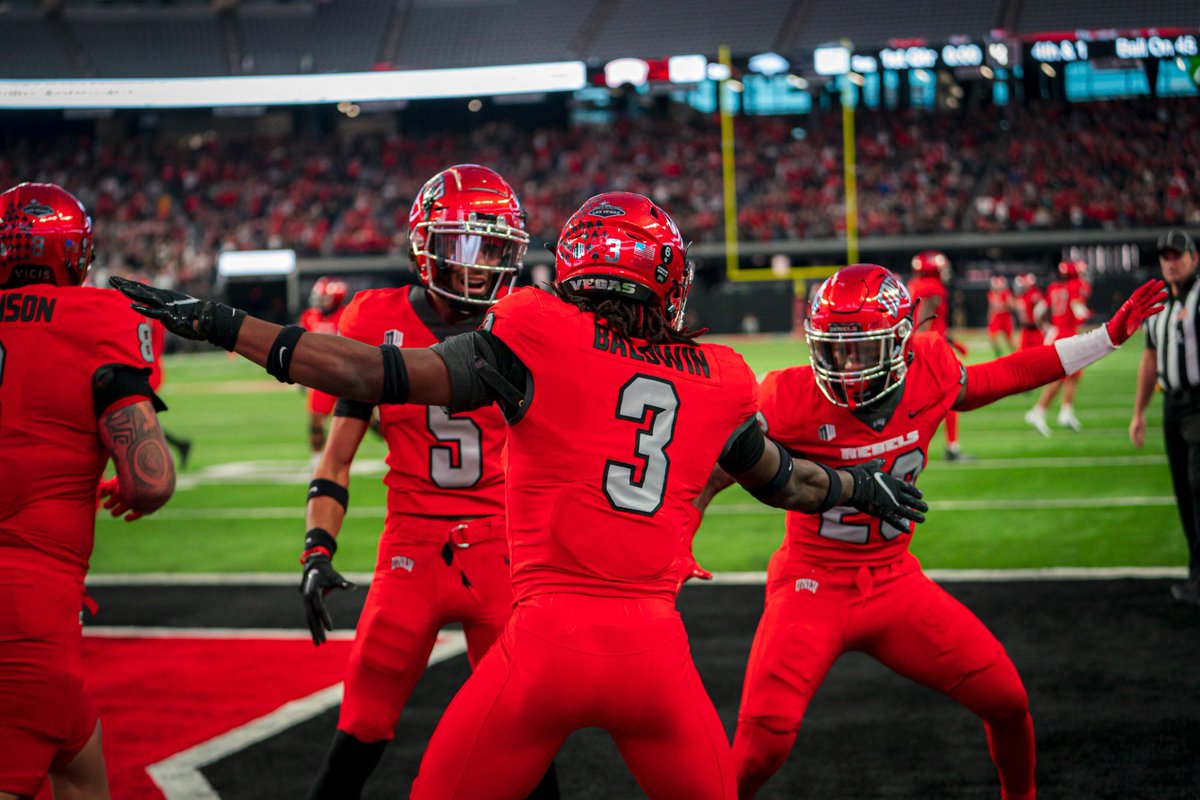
point(472, 261)
point(857, 368)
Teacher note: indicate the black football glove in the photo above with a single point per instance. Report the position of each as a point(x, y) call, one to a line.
point(184, 315)
point(881, 495)
point(319, 579)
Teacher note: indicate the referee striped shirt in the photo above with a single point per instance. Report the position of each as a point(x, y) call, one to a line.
point(1171, 333)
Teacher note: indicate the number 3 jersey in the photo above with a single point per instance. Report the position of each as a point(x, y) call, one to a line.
point(53, 341)
point(799, 417)
point(439, 464)
point(613, 442)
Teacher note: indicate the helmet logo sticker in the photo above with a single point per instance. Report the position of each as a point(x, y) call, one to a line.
point(826, 432)
point(35, 209)
point(607, 210)
point(661, 274)
point(667, 253)
point(889, 295)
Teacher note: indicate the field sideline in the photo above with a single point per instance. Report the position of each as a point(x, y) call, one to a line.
point(1072, 500)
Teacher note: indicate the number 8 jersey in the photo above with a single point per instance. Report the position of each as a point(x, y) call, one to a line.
point(438, 464)
point(799, 417)
point(614, 441)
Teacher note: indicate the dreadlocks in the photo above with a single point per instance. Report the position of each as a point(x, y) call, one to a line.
point(629, 319)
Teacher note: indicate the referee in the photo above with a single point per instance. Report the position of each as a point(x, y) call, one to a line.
point(1172, 358)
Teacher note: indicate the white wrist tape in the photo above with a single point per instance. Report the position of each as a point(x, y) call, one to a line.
point(1076, 352)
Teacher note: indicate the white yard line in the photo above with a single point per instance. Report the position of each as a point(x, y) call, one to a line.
point(180, 777)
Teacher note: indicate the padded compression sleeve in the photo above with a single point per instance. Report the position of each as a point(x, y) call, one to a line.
point(1018, 372)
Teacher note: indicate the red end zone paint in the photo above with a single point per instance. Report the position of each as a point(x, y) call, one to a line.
point(159, 696)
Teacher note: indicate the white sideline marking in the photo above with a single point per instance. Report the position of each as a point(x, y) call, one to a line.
point(988, 575)
point(179, 777)
point(158, 632)
point(252, 579)
point(1064, 462)
point(716, 509)
point(279, 472)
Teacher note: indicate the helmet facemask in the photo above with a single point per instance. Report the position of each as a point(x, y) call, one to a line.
point(856, 368)
point(472, 262)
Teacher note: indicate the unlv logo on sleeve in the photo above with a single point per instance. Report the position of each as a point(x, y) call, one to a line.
point(394, 337)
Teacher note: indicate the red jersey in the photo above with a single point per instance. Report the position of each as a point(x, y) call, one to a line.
point(158, 345)
point(1068, 307)
point(922, 287)
point(616, 440)
point(999, 302)
point(800, 418)
point(1027, 305)
point(439, 464)
point(319, 322)
point(53, 339)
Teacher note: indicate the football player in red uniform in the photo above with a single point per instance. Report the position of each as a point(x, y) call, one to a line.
point(931, 271)
point(1067, 301)
point(74, 363)
point(843, 581)
point(1000, 307)
point(325, 307)
point(1031, 311)
point(616, 417)
point(442, 555)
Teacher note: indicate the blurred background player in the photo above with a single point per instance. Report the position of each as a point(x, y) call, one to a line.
point(443, 554)
point(74, 391)
point(616, 418)
point(1030, 307)
point(325, 306)
point(843, 581)
point(1066, 299)
point(1000, 307)
point(931, 312)
point(158, 340)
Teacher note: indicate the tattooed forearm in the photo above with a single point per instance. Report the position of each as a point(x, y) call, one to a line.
point(145, 472)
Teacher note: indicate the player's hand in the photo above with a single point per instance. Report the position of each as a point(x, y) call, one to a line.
point(108, 494)
point(1146, 301)
point(1137, 430)
point(319, 579)
point(881, 495)
point(182, 314)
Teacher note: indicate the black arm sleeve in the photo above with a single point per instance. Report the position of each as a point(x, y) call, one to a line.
point(744, 448)
point(353, 408)
point(483, 370)
point(113, 382)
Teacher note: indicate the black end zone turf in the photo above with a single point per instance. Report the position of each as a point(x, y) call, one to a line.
point(1112, 669)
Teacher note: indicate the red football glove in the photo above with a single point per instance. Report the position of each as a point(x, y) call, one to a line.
point(959, 346)
point(1146, 301)
point(109, 493)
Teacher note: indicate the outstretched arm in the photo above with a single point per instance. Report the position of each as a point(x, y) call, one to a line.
point(334, 364)
point(1028, 369)
point(777, 479)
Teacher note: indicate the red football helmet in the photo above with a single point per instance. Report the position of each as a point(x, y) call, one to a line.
point(45, 236)
point(1025, 282)
point(327, 294)
point(1068, 269)
point(466, 233)
point(622, 244)
point(858, 327)
point(931, 264)
point(999, 283)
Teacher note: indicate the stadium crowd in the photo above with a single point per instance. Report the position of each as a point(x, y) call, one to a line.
point(164, 207)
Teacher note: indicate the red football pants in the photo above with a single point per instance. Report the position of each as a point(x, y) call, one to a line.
point(46, 716)
point(901, 618)
point(413, 594)
point(567, 662)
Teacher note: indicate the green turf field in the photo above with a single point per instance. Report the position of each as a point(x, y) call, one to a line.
point(1075, 499)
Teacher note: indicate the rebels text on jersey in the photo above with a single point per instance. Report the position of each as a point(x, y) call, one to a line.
point(800, 418)
point(615, 440)
point(439, 464)
point(51, 454)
